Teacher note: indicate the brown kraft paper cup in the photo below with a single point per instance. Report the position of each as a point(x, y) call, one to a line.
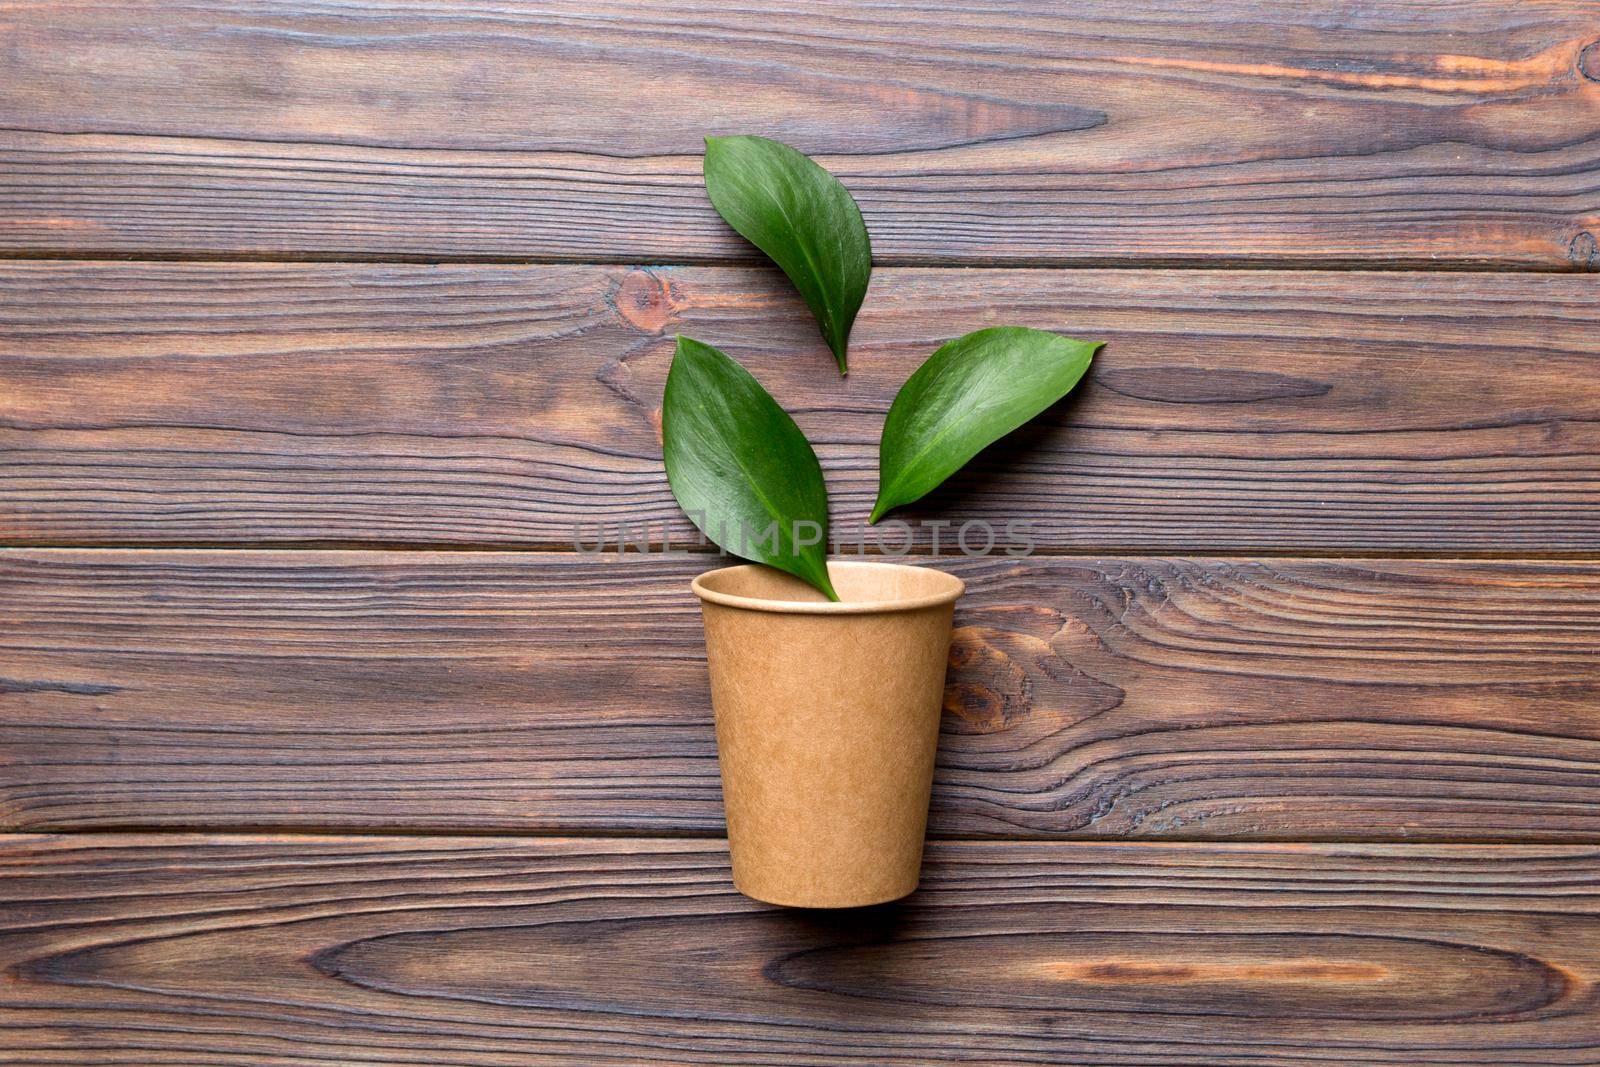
point(827, 720)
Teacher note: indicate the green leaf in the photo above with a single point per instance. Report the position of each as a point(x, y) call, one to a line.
point(969, 394)
point(741, 468)
point(802, 218)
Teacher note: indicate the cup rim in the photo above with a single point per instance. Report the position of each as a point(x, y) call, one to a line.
point(828, 607)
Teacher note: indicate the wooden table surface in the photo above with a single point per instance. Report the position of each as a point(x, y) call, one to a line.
point(323, 322)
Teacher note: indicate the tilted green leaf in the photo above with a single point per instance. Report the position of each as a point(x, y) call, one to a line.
point(802, 218)
point(741, 468)
point(969, 394)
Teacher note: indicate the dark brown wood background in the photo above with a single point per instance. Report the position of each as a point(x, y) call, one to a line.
point(323, 324)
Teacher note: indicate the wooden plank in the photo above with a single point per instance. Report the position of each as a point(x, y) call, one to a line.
point(1343, 412)
point(1227, 132)
point(1098, 697)
point(238, 950)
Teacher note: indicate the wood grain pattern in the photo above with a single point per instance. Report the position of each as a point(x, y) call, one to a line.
point(548, 692)
point(157, 403)
point(1108, 697)
point(1231, 131)
point(471, 951)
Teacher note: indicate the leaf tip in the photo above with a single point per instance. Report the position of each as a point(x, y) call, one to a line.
point(825, 583)
point(840, 347)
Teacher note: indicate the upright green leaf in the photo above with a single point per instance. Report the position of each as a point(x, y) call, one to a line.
point(800, 216)
point(970, 393)
point(741, 468)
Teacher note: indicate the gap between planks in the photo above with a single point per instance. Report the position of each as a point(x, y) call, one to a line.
point(315, 830)
point(1220, 263)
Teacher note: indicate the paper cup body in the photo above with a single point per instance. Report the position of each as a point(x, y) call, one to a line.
point(827, 718)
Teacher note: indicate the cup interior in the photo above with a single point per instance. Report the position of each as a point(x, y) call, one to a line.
point(862, 586)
